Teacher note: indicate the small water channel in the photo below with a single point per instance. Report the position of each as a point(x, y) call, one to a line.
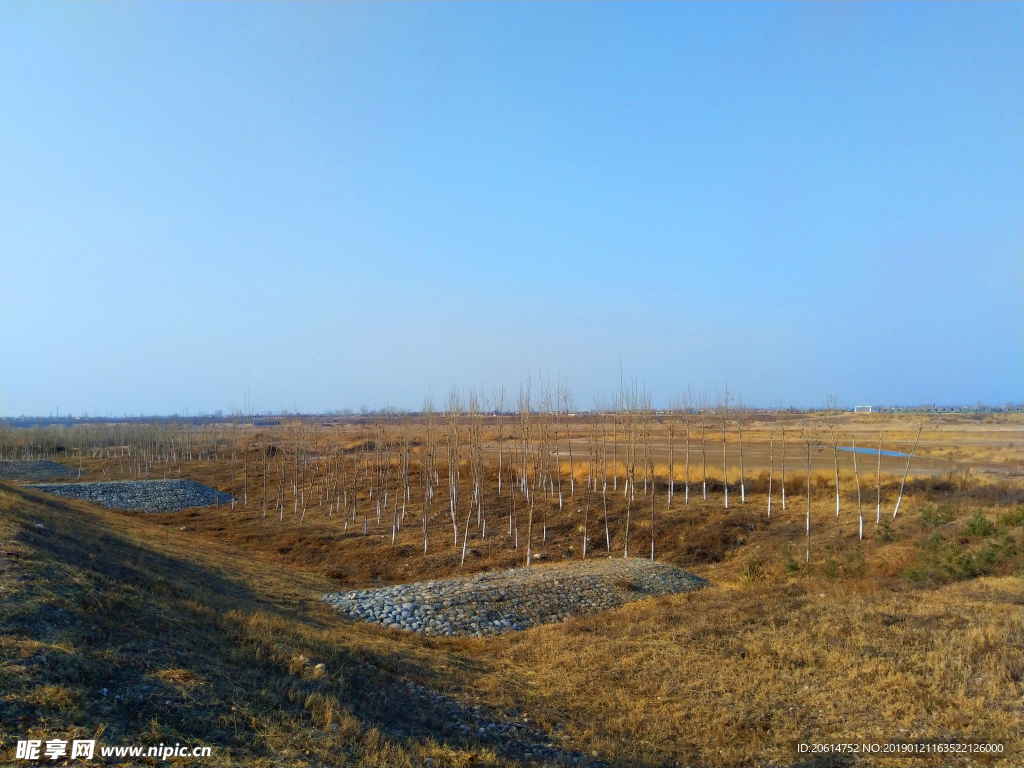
point(872, 451)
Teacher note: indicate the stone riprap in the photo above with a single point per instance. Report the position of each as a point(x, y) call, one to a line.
point(35, 470)
point(505, 601)
point(146, 495)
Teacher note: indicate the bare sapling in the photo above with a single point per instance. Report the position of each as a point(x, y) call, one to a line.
point(591, 449)
point(499, 410)
point(702, 417)
point(856, 474)
point(616, 407)
point(266, 450)
point(529, 533)
point(739, 434)
point(830, 422)
point(453, 437)
point(475, 426)
point(568, 406)
point(554, 433)
point(783, 469)
point(907, 470)
point(604, 481)
point(280, 486)
point(654, 484)
point(771, 467)
point(808, 443)
point(427, 464)
point(687, 409)
point(245, 475)
point(878, 480)
point(724, 408)
point(672, 416)
point(630, 413)
point(234, 445)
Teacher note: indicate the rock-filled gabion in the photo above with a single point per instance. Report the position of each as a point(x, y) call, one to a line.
point(146, 495)
point(505, 601)
point(35, 470)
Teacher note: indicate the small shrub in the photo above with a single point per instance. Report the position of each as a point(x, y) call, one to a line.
point(979, 525)
point(884, 534)
point(853, 563)
point(789, 563)
point(933, 518)
point(1015, 518)
point(751, 570)
point(941, 560)
point(831, 567)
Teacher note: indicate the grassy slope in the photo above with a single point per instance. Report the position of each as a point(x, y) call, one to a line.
point(206, 643)
point(202, 645)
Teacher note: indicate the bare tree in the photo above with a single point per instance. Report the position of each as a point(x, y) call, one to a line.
point(591, 479)
point(830, 421)
point(499, 411)
point(604, 478)
point(673, 415)
point(808, 444)
point(427, 464)
point(724, 408)
point(739, 431)
point(245, 475)
point(783, 468)
point(234, 445)
point(771, 467)
point(568, 405)
point(702, 417)
point(647, 415)
point(856, 474)
point(687, 409)
point(910, 458)
point(878, 510)
point(453, 437)
point(476, 468)
point(266, 451)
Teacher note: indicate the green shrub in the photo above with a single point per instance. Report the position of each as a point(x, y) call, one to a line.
point(979, 525)
point(941, 560)
point(884, 533)
point(1015, 518)
point(831, 567)
point(789, 563)
point(933, 518)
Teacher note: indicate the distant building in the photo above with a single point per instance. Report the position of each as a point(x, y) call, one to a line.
point(862, 409)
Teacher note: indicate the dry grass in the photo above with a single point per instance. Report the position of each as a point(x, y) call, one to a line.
point(197, 644)
point(736, 675)
point(213, 634)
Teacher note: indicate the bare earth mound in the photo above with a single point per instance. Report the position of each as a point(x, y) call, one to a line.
point(35, 470)
point(492, 603)
point(146, 495)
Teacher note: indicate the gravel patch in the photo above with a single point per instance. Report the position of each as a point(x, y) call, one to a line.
point(147, 495)
point(35, 470)
point(507, 601)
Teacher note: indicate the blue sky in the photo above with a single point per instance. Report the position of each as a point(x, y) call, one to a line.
point(345, 205)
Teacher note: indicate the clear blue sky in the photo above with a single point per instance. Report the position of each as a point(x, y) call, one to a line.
point(345, 205)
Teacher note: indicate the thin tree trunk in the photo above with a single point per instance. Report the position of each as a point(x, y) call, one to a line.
point(907, 470)
point(878, 476)
point(808, 502)
point(856, 474)
point(835, 457)
point(783, 470)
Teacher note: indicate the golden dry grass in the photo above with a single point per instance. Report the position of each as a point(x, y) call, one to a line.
point(914, 632)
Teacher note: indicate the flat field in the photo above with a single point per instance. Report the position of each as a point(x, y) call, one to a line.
point(206, 625)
